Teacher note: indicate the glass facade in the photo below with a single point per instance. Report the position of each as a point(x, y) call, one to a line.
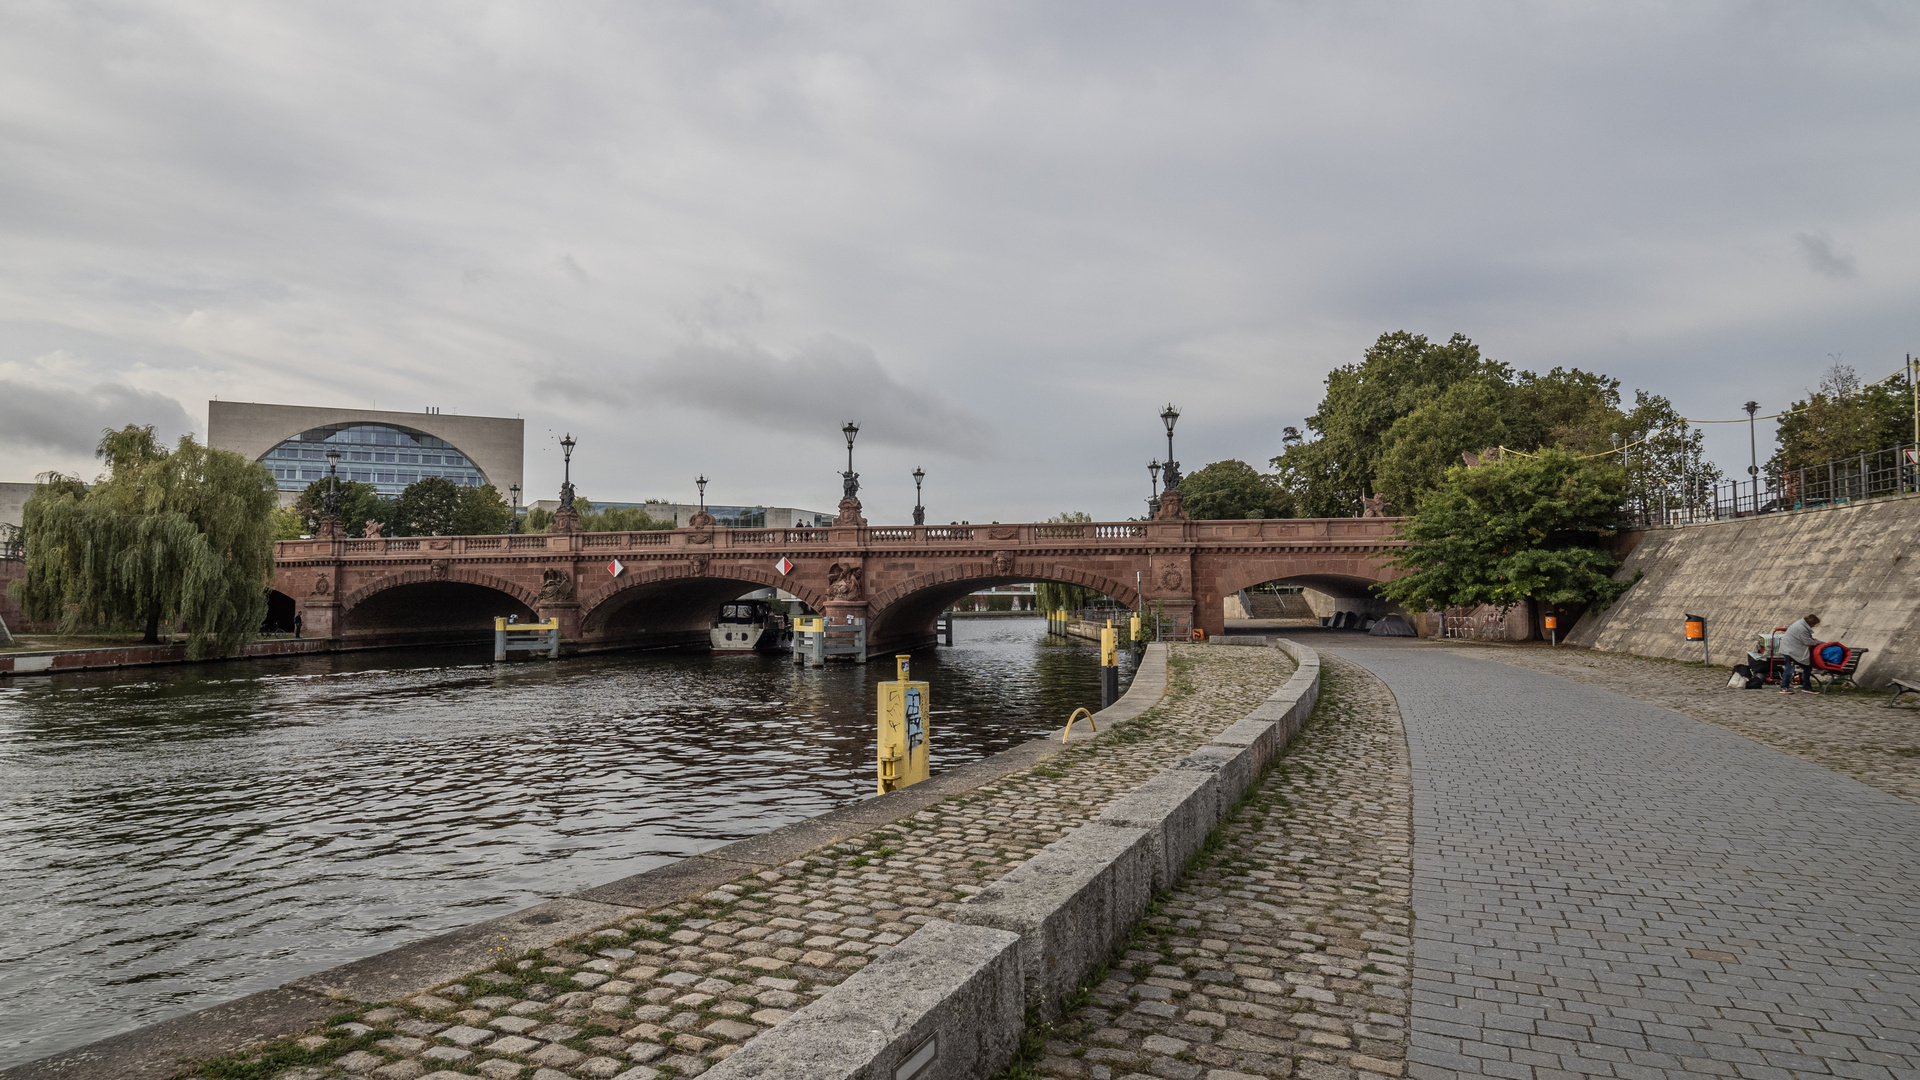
point(387, 457)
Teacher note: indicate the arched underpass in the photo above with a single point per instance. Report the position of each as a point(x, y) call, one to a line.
point(431, 612)
point(659, 614)
point(1322, 597)
point(907, 623)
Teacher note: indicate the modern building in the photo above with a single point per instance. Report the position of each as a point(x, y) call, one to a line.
point(729, 517)
point(386, 449)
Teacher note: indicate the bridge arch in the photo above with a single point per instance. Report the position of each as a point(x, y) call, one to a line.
point(444, 603)
point(903, 616)
point(676, 602)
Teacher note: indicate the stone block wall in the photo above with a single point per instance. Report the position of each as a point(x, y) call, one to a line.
point(1853, 565)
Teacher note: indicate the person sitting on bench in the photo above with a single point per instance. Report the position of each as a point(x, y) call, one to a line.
point(1797, 648)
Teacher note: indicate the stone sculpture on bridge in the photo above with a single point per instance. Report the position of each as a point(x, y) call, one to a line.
point(556, 587)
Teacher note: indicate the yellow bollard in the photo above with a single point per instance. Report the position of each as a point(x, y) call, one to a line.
point(1136, 626)
point(1109, 646)
point(905, 729)
point(1075, 715)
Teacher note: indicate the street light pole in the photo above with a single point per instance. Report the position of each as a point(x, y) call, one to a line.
point(1153, 488)
point(514, 525)
point(701, 483)
point(919, 512)
point(1169, 416)
point(330, 507)
point(850, 480)
point(1753, 454)
point(566, 484)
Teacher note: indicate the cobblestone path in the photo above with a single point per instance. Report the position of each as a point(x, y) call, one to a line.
point(1848, 731)
point(1284, 952)
point(670, 991)
point(1607, 888)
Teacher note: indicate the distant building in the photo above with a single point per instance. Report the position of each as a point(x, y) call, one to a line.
point(730, 517)
point(13, 502)
point(388, 450)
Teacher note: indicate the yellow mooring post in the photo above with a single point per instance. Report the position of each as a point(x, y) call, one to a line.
point(906, 727)
point(1109, 666)
point(1136, 628)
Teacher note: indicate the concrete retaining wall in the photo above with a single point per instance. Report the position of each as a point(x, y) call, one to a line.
point(1030, 937)
point(1853, 565)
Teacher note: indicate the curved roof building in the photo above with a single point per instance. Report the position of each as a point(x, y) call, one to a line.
point(386, 449)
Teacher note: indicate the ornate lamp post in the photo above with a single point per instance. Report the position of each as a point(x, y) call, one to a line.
point(701, 519)
point(919, 512)
point(330, 512)
point(513, 526)
point(1753, 454)
point(850, 483)
point(1153, 487)
point(1169, 416)
point(566, 519)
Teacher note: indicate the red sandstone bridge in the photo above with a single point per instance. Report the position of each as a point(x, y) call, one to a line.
point(627, 589)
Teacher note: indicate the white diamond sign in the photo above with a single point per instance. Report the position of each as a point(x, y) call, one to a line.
point(615, 567)
point(785, 566)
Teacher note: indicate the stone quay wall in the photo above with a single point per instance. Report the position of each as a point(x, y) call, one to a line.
point(1854, 565)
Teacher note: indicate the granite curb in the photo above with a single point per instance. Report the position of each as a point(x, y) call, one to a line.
point(153, 1052)
point(1058, 915)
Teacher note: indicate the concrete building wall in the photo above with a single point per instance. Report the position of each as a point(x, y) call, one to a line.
point(1853, 565)
point(13, 501)
point(495, 444)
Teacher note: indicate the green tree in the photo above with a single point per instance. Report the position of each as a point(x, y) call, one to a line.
point(1420, 447)
point(1056, 596)
point(481, 511)
point(1328, 475)
point(1233, 489)
point(622, 519)
point(359, 504)
point(1665, 458)
point(1521, 528)
point(427, 507)
point(185, 537)
point(1843, 419)
point(288, 524)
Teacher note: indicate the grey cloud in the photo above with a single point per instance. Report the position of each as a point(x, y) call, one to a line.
point(1817, 250)
point(820, 386)
point(49, 418)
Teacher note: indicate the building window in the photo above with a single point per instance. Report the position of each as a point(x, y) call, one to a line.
point(295, 462)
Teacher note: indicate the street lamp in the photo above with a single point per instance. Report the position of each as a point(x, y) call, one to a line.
point(1153, 487)
point(850, 480)
point(919, 512)
point(566, 484)
point(333, 482)
point(1753, 453)
point(701, 483)
point(1169, 416)
point(514, 525)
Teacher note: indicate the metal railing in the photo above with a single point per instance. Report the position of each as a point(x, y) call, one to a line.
point(1837, 482)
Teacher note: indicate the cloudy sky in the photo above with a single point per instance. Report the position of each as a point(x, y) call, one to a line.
point(998, 235)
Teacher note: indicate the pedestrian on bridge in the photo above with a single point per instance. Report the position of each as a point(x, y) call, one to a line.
point(1797, 646)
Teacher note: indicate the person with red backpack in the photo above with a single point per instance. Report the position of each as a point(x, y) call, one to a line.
point(1797, 648)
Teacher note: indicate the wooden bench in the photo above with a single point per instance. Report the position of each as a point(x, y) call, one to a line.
point(1836, 676)
point(1900, 688)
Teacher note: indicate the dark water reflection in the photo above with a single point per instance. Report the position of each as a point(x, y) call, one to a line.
point(172, 838)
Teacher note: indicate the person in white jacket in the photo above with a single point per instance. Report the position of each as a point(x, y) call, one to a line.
point(1798, 649)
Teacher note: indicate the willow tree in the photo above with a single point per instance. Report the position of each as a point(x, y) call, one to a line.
point(184, 537)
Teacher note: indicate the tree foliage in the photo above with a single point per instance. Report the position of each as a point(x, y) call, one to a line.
point(359, 504)
point(183, 536)
point(1843, 419)
point(1396, 422)
point(1522, 528)
point(1233, 489)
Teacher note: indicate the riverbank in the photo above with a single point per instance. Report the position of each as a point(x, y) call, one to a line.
point(50, 661)
point(904, 859)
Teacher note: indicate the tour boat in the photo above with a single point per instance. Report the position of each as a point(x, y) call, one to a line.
point(745, 626)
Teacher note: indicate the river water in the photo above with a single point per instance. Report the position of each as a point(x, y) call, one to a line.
point(176, 837)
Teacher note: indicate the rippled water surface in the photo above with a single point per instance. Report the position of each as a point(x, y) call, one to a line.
point(175, 837)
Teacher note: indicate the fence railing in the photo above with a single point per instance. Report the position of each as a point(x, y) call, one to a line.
point(1837, 482)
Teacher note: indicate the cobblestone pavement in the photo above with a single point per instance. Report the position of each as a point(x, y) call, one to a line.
point(1606, 888)
point(1284, 953)
point(670, 991)
point(1848, 731)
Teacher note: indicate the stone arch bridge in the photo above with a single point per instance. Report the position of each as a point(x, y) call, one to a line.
point(628, 589)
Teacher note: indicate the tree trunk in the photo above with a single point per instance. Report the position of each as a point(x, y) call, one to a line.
point(153, 627)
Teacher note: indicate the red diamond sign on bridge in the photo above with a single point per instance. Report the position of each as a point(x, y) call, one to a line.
point(615, 567)
point(785, 566)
